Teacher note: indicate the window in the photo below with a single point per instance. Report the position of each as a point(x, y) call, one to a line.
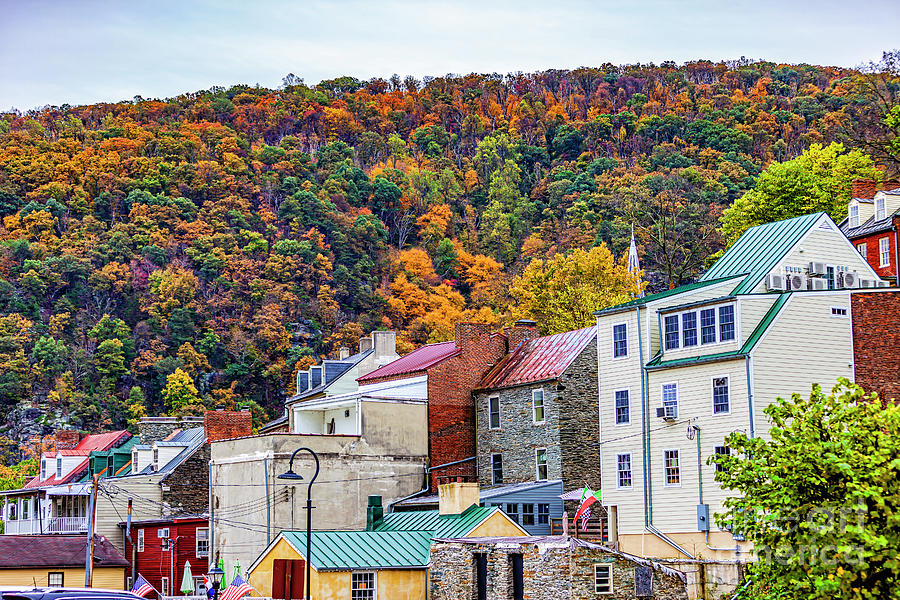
point(527, 514)
point(517, 566)
point(726, 323)
point(362, 586)
point(721, 451)
point(879, 209)
point(623, 409)
point(671, 324)
point(623, 468)
point(537, 406)
point(884, 252)
point(129, 583)
point(481, 576)
point(672, 466)
point(512, 511)
point(140, 540)
point(495, 412)
point(156, 459)
point(55, 579)
point(708, 326)
point(838, 311)
point(58, 467)
point(721, 403)
point(134, 462)
point(603, 583)
point(202, 542)
point(689, 329)
point(829, 274)
point(162, 532)
point(543, 514)
point(43, 469)
point(854, 215)
point(164, 587)
point(12, 509)
point(670, 399)
point(26, 505)
point(620, 340)
point(540, 459)
point(862, 249)
point(496, 469)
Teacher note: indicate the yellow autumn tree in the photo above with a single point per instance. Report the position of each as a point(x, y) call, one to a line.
point(562, 292)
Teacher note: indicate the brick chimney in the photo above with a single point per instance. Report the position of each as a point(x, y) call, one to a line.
point(226, 424)
point(455, 498)
point(66, 439)
point(472, 337)
point(522, 330)
point(866, 188)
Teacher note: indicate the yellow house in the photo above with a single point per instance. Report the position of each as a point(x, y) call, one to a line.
point(390, 558)
point(58, 561)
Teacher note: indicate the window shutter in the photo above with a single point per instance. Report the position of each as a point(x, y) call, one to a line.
point(279, 576)
point(298, 573)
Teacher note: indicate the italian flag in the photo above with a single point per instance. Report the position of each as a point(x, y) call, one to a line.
point(587, 499)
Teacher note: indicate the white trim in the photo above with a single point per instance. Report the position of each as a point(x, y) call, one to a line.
point(612, 346)
point(845, 315)
point(630, 471)
point(140, 540)
point(616, 408)
point(374, 575)
point(197, 542)
point(609, 567)
point(802, 239)
point(534, 420)
point(499, 414)
point(884, 252)
point(712, 398)
point(736, 340)
point(662, 395)
point(537, 466)
point(665, 475)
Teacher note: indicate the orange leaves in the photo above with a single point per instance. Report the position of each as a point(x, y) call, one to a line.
point(418, 264)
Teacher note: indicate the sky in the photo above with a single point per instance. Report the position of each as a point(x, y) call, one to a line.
point(84, 51)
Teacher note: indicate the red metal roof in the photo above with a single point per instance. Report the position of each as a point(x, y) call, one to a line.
point(24, 551)
point(538, 359)
point(52, 480)
point(97, 441)
point(417, 360)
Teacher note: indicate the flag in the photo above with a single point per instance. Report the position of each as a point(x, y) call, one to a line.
point(586, 502)
point(634, 265)
point(142, 587)
point(237, 590)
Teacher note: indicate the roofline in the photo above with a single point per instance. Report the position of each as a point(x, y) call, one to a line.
point(423, 369)
point(632, 304)
point(698, 303)
point(702, 360)
point(523, 383)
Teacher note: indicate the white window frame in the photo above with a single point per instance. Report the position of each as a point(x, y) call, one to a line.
point(840, 312)
point(862, 248)
point(164, 586)
point(734, 323)
point(712, 387)
point(608, 567)
point(665, 468)
point(140, 540)
point(676, 317)
point(491, 413)
point(884, 251)
point(59, 467)
point(374, 575)
point(134, 462)
point(880, 209)
point(698, 327)
point(534, 407)
point(854, 214)
point(727, 452)
point(619, 485)
point(662, 394)
point(197, 542)
point(493, 479)
point(43, 469)
point(616, 408)
point(537, 465)
point(613, 331)
point(62, 579)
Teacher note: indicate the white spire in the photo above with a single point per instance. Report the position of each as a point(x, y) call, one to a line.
point(634, 265)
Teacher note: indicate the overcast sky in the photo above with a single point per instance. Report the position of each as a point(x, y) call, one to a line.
point(84, 51)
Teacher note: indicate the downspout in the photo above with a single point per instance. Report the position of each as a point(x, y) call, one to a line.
point(747, 362)
point(896, 252)
point(268, 510)
point(211, 518)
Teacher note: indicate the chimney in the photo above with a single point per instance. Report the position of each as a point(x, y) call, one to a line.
point(863, 188)
point(522, 330)
point(154, 429)
point(385, 343)
point(455, 498)
point(374, 512)
point(344, 353)
point(472, 336)
point(66, 439)
point(302, 381)
point(226, 424)
point(365, 343)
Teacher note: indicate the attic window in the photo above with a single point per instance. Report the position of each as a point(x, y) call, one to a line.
point(156, 459)
point(134, 462)
point(879, 209)
point(43, 469)
point(838, 311)
point(58, 467)
point(854, 215)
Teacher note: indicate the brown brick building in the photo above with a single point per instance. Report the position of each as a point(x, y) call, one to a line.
point(876, 341)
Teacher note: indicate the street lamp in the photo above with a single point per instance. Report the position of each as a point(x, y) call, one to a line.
point(291, 476)
point(215, 576)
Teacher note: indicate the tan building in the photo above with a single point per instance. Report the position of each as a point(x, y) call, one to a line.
point(58, 561)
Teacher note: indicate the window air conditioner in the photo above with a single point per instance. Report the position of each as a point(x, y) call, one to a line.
point(850, 279)
point(796, 282)
point(668, 413)
point(817, 268)
point(818, 284)
point(866, 283)
point(775, 282)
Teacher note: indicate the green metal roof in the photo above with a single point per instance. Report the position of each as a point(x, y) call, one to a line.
point(749, 344)
point(443, 526)
point(665, 294)
point(759, 249)
point(351, 550)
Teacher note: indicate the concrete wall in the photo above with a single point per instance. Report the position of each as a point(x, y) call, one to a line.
point(387, 460)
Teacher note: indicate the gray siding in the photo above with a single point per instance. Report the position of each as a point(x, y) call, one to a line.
point(548, 494)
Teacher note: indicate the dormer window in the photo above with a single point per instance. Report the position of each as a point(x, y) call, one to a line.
point(58, 467)
point(43, 469)
point(134, 462)
point(879, 209)
point(156, 459)
point(854, 215)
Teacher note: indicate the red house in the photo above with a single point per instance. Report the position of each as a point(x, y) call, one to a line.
point(451, 370)
point(161, 548)
point(873, 225)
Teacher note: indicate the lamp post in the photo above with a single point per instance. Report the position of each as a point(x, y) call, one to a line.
point(215, 576)
point(291, 476)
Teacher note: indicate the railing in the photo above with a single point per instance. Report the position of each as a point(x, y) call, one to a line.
point(22, 527)
point(596, 529)
point(67, 525)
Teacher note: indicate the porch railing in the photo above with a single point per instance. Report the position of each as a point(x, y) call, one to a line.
point(67, 525)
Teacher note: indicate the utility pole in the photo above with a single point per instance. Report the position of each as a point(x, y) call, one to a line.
point(92, 522)
point(131, 541)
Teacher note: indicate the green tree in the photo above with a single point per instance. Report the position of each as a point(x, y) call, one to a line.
point(180, 392)
point(818, 180)
point(818, 497)
point(50, 355)
point(109, 359)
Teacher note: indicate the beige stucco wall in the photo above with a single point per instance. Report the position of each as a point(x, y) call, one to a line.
point(110, 578)
point(499, 525)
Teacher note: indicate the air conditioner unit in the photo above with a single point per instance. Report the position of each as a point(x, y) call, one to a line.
point(817, 284)
point(817, 268)
point(668, 413)
point(866, 283)
point(796, 282)
point(162, 532)
point(850, 279)
point(775, 282)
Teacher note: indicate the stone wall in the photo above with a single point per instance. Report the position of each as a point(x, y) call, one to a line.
point(152, 429)
point(876, 338)
point(579, 421)
point(553, 569)
point(186, 489)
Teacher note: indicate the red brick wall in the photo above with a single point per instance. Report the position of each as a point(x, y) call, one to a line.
point(225, 424)
point(866, 188)
point(872, 257)
point(67, 439)
point(876, 341)
point(451, 407)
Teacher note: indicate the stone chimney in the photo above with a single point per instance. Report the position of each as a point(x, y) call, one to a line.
point(66, 439)
point(227, 424)
point(455, 498)
point(365, 343)
point(522, 330)
point(344, 353)
point(374, 512)
point(154, 429)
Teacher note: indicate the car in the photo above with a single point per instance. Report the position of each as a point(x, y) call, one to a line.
point(56, 593)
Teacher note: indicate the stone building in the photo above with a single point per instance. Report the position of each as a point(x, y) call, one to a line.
point(545, 568)
point(536, 416)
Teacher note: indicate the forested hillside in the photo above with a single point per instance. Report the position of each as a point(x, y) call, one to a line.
point(162, 255)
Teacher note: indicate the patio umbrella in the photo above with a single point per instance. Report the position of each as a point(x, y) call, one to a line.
point(222, 584)
point(237, 570)
point(187, 582)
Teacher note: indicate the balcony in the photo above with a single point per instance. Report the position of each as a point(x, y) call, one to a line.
point(22, 527)
point(67, 525)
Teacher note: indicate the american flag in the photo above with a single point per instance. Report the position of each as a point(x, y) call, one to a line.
point(141, 586)
point(238, 589)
